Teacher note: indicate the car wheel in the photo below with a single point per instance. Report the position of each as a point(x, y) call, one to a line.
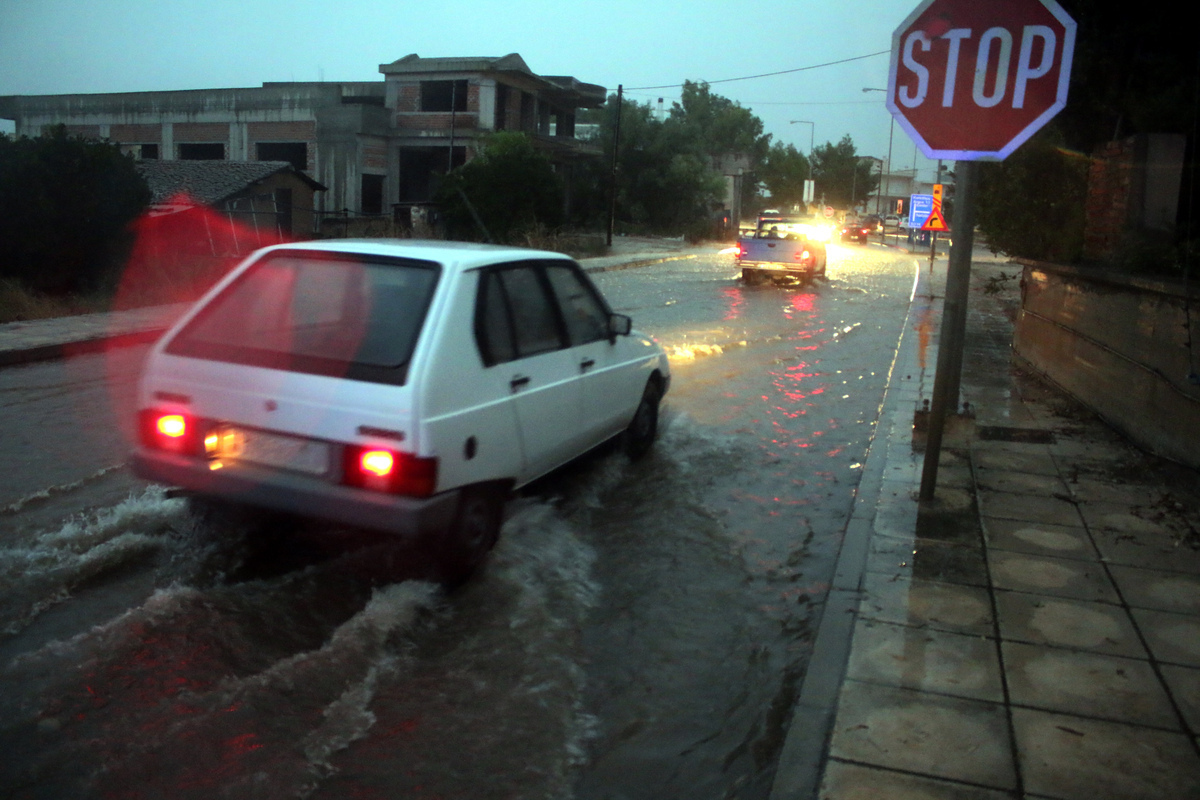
point(643, 428)
point(472, 535)
point(751, 276)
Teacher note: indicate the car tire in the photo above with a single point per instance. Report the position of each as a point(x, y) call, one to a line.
point(471, 536)
point(643, 428)
point(752, 277)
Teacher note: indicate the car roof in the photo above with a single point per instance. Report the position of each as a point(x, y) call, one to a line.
point(451, 255)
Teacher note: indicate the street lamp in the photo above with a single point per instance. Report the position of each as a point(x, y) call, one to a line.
point(891, 130)
point(812, 133)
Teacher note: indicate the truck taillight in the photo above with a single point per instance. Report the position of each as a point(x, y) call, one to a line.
point(385, 470)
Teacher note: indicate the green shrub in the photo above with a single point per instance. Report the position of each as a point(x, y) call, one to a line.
point(65, 207)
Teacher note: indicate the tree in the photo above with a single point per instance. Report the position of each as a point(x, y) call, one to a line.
point(784, 173)
point(718, 126)
point(1031, 204)
point(843, 178)
point(665, 182)
point(65, 207)
point(510, 186)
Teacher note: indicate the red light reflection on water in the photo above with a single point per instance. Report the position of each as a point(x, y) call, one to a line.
point(734, 301)
point(801, 302)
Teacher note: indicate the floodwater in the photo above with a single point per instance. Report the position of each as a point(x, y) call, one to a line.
point(640, 630)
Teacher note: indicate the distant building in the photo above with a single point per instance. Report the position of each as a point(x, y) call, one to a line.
point(375, 145)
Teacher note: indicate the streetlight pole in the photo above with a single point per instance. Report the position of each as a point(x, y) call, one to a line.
point(854, 183)
point(812, 133)
point(888, 172)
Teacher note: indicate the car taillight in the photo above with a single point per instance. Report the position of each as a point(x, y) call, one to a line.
point(384, 470)
point(172, 431)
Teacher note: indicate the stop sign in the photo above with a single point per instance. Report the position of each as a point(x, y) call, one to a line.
point(973, 80)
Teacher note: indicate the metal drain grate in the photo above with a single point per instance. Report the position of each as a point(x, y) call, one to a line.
point(998, 433)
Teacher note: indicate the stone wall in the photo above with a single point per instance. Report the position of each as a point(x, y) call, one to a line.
point(1127, 348)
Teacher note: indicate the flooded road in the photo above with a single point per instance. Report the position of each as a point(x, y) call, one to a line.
point(639, 631)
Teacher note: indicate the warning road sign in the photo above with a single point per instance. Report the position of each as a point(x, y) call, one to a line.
point(936, 222)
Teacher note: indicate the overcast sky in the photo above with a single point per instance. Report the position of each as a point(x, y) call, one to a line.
point(85, 46)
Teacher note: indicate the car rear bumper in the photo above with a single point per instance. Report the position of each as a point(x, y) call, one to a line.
point(300, 494)
point(776, 266)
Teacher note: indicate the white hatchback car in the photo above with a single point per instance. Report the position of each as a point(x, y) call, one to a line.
point(405, 387)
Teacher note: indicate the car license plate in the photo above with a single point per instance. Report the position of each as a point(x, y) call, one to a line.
point(273, 450)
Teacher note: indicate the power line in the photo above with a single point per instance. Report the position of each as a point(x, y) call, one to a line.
point(765, 74)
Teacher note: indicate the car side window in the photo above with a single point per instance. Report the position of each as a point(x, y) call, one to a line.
point(584, 314)
point(516, 316)
point(493, 322)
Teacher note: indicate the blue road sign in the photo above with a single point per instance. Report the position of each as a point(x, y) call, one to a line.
point(920, 206)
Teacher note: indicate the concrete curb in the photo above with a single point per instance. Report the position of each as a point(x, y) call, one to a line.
point(800, 768)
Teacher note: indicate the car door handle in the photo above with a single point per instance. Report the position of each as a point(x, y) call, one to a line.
point(587, 364)
point(519, 381)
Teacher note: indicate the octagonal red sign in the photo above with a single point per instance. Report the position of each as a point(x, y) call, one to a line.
point(973, 80)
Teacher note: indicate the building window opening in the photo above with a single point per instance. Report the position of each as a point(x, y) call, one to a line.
point(501, 122)
point(295, 153)
point(148, 152)
point(372, 195)
point(202, 151)
point(444, 95)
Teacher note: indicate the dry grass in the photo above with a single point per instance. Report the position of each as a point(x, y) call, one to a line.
point(19, 304)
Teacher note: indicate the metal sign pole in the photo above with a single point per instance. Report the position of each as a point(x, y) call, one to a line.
point(954, 323)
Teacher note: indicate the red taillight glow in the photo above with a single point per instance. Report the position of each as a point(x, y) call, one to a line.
point(384, 470)
point(379, 463)
point(173, 431)
point(173, 426)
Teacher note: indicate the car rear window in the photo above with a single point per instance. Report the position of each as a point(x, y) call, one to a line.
point(330, 314)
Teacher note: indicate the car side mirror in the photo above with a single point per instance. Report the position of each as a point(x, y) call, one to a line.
point(619, 325)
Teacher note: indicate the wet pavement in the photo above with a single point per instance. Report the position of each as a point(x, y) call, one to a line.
point(47, 339)
point(1034, 632)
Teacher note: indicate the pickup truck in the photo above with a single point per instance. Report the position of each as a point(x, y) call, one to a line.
point(781, 246)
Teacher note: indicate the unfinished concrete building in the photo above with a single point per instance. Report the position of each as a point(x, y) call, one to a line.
point(378, 146)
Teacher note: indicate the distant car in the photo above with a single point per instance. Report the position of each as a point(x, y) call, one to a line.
point(402, 387)
point(891, 221)
point(857, 230)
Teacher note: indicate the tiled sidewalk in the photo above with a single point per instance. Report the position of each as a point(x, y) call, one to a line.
point(1035, 631)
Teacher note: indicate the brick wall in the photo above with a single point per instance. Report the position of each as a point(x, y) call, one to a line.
point(437, 122)
point(201, 132)
point(1110, 189)
point(86, 131)
point(281, 131)
point(408, 97)
point(375, 154)
point(136, 134)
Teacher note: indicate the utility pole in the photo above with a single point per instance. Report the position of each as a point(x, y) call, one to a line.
point(612, 181)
